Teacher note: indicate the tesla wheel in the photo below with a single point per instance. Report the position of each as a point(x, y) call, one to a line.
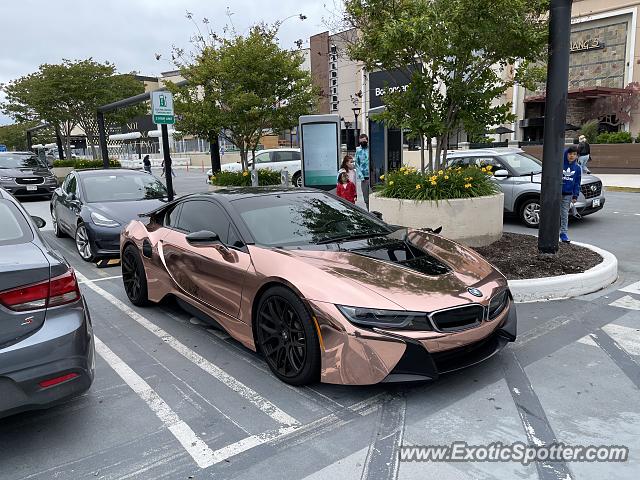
point(530, 212)
point(296, 181)
point(83, 244)
point(287, 338)
point(134, 277)
point(57, 231)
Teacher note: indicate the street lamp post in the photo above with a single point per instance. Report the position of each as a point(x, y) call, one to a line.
point(356, 112)
point(554, 125)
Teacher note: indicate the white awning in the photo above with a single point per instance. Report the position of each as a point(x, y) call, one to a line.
point(158, 133)
point(50, 145)
point(126, 136)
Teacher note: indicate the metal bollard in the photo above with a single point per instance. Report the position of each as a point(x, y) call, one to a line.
point(254, 178)
point(284, 178)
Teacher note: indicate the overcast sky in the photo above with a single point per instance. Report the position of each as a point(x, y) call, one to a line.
point(129, 33)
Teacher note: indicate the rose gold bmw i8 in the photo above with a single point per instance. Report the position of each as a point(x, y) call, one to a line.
point(323, 289)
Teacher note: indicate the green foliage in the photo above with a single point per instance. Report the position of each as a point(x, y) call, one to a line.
point(68, 94)
point(614, 137)
point(15, 136)
point(445, 184)
point(81, 163)
point(242, 86)
point(458, 60)
point(590, 130)
point(243, 179)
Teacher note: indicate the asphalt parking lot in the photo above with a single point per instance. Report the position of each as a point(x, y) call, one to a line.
point(174, 398)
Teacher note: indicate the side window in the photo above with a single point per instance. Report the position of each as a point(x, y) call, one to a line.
point(263, 158)
point(233, 239)
point(460, 162)
point(199, 215)
point(285, 156)
point(171, 218)
point(71, 185)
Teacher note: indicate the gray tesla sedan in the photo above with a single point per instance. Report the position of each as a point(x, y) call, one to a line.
point(46, 338)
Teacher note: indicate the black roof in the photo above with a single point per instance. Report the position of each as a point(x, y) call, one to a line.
point(107, 171)
point(237, 193)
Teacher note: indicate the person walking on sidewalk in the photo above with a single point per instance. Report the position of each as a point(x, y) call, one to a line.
point(571, 178)
point(146, 163)
point(584, 153)
point(362, 167)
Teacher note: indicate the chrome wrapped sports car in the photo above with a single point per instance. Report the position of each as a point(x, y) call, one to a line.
point(323, 289)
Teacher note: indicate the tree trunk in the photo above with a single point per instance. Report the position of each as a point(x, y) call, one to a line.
point(91, 140)
point(430, 154)
point(243, 157)
point(421, 153)
point(438, 152)
point(253, 158)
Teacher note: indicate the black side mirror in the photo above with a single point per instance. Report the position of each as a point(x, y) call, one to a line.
point(377, 214)
point(38, 221)
point(203, 238)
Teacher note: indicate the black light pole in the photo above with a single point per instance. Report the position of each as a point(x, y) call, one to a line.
point(356, 112)
point(554, 124)
point(214, 152)
point(102, 134)
point(167, 159)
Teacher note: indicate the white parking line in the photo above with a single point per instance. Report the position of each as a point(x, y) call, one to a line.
point(627, 302)
point(198, 449)
point(99, 279)
point(244, 391)
point(633, 288)
point(628, 338)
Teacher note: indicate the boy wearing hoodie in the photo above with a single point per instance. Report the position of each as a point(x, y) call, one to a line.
point(571, 178)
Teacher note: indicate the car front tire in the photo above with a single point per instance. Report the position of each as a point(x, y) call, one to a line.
point(530, 212)
point(134, 277)
point(57, 231)
point(287, 337)
point(296, 181)
point(83, 244)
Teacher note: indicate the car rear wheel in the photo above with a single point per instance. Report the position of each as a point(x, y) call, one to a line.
point(134, 277)
point(83, 244)
point(57, 231)
point(287, 337)
point(296, 181)
point(530, 212)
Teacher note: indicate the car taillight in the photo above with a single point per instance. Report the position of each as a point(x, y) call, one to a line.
point(52, 293)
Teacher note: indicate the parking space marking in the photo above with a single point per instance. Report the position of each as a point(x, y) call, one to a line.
point(627, 337)
point(627, 302)
point(198, 449)
point(633, 288)
point(620, 356)
point(99, 279)
point(240, 388)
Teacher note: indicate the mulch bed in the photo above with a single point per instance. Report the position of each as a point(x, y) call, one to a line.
point(517, 257)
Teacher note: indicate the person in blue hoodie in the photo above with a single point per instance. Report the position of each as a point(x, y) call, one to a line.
point(571, 178)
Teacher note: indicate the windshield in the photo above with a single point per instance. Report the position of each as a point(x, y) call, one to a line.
point(122, 187)
point(305, 218)
point(20, 161)
point(522, 163)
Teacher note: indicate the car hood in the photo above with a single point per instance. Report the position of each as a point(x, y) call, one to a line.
point(124, 212)
point(25, 172)
point(423, 287)
point(538, 179)
point(589, 179)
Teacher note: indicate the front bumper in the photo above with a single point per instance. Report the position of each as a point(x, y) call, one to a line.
point(585, 207)
point(105, 241)
point(16, 190)
point(64, 344)
point(363, 357)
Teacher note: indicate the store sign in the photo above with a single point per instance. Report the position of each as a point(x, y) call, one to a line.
point(589, 44)
point(383, 82)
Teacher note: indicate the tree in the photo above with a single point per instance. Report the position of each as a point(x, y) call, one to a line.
point(616, 109)
point(461, 55)
point(14, 136)
point(68, 95)
point(241, 86)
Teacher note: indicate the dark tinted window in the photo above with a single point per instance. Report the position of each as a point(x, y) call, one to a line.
point(197, 215)
point(171, 218)
point(20, 161)
point(233, 240)
point(122, 186)
point(285, 156)
point(70, 185)
point(15, 228)
point(304, 218)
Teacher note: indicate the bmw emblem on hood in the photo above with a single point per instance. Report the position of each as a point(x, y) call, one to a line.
point(474, 291)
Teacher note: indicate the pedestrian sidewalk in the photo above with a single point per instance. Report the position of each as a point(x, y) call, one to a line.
point(620, 181)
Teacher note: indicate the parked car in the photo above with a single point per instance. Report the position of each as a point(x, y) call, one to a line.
point(92, 206)
point(519, 176)
point(46, 339)
point(323, 289)
point(24, 175)
point(275, 159)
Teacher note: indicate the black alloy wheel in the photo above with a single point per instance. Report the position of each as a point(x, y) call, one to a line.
point(134, 277)
point(287, 337)
point(297, 180)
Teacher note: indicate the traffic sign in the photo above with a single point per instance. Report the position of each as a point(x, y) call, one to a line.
point(162, 108)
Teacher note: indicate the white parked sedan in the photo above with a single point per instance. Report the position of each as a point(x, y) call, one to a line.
point(278, 159)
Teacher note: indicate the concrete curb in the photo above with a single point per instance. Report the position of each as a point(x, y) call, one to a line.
point(568, 286)
point(622, 189)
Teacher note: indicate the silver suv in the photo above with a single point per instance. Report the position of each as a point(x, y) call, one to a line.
point(519, 177)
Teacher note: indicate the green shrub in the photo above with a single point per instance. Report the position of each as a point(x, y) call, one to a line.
point(243, 179)
point(82, 163)
point(458, 182)
point(590, 130)
point(614, 137)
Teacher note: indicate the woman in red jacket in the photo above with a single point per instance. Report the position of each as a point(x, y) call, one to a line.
point(346, 188)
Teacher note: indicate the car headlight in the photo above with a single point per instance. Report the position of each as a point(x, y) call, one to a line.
point(103, 221)
point(391, 319)
point(498, 303)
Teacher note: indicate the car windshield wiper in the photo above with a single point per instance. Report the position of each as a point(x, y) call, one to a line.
point(351, 236)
